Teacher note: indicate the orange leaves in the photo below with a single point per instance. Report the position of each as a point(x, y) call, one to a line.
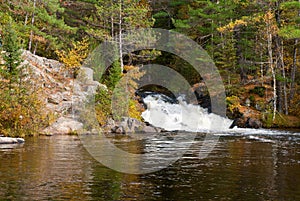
point(21, 111)
point(133, 74)
point(73, 57)
point(135, 109)
point(232, 25)
point(39, 39)
point(233, 102)
point(269, 19)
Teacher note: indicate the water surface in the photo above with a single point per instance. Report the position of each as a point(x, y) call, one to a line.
point(245, 165)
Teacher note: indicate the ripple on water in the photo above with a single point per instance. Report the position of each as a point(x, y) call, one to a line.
point(242, 166)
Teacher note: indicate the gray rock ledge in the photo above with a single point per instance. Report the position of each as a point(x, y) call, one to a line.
point(11, 140)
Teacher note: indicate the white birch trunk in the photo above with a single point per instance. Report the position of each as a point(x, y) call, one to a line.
point(270, 52)
point(120, 37)
point(32, 23)
point(284, 82)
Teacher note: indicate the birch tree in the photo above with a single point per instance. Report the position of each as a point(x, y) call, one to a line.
point(124, 16)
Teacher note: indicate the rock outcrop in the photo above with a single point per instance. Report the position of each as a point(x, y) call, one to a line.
point(253, 123)
point(129, 125)
point(11, 140)
point(247, 122)
point(65, 97)
point(59, 91)
point(63, 125)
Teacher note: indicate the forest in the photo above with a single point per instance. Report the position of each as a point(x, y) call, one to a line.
point(254, 44)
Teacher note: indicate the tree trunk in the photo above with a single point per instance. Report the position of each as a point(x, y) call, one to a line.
point(120, 37)
point(271, 65)
point(286, 111)
point(282, 101)
point(112, 27)
point(294, 67)
point(270, 33)
point(279, 96)
point(277, 65)
point(32, 23)
point(294, 70)
point(26, 18)
point(112, 21)
point(239, 54)
point(261, 65)
point(35, 47)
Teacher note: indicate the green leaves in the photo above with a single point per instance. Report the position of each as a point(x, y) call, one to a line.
point(291, 20)
point(4, 19)
point(289, 32)
point(11, 54)
point(292, 5)
point(160, 14)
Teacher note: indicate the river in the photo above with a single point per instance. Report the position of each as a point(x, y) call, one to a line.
point(263, 165)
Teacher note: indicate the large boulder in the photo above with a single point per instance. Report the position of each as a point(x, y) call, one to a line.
point(253, 123)
point(129, 125)
point(63, 125)
point(247, 122)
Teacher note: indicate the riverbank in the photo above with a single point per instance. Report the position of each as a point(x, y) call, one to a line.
point(58, 92)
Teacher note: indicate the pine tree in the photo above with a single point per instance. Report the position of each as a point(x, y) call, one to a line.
point(39, 25)
point(124, 16)
point(11, 56)
point(291, 32)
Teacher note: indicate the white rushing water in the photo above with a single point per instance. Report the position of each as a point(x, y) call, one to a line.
point(182, 116)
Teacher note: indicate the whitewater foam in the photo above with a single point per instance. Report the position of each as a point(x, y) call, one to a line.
point(182, 116)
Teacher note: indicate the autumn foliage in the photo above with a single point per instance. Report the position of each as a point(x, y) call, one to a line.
point(73, 57)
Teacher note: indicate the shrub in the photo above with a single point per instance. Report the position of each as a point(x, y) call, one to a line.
point(294, 108)
point(121, 93)
point(233, 102)
point(103, 106)
point(73, 57)
point(21, 111)
point(20, 108)
point(234, 90)
point(267, 118)
point(113, 76)
point(135, 109)
point(252, 101)
point(258, 90)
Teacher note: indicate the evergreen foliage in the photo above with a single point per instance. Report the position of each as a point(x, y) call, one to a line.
point(252, 42)
point(11, 55)
point(20, 108)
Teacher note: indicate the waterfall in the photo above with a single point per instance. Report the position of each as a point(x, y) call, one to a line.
point(181, 116)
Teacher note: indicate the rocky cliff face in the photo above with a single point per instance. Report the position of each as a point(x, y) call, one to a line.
point(59, 91)
point(64, 97)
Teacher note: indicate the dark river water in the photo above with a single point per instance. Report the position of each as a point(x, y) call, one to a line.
point(259, 166)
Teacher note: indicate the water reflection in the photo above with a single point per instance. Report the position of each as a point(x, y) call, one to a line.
point(45, 168)
point(240, 168)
